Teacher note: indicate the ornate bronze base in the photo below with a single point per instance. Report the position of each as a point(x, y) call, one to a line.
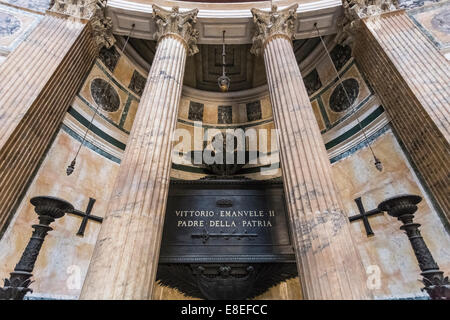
point(48, 209)
point(403, 208)
point(225, 281)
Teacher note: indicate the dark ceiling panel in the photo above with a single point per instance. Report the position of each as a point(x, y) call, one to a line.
point(240, 64)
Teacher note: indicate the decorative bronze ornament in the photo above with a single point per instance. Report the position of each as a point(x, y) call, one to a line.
point(86, 216)
point(233, 160)
point(364, 216)
point(48, 209)
point(229, 281)
point(403, 208)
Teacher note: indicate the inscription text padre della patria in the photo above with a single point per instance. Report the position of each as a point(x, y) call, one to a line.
point(214, 219)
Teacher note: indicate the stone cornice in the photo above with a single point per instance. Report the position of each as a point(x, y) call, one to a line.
point(237, 19)
point(227, 97)
point(177, 24)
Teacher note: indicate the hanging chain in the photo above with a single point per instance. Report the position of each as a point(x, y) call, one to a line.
point(223, 80)
point(223, 53)
point(377, 163)
point(71, 167)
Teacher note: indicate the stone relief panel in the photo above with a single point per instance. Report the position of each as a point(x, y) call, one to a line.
point(195, 111)
point(109, 57)
point(102, 89)
point(333, 100)
point(224, 115)
point(344, 95)
point(340, 55)
point(312, 82)
point(137, 83)
point(104, 95)
point(254, 111)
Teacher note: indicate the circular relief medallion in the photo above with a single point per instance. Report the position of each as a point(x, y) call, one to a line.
point(338, 99)
point(8, 24)
point(105, 95)
point(441, 21)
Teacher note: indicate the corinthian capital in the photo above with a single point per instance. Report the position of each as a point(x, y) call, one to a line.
point(102, 28)
point(355, 10)
point(93, 10)
point(272, 23)
point(179, 24)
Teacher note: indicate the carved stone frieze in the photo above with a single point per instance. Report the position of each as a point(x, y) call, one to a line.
point(272, 23)
point(177, 23)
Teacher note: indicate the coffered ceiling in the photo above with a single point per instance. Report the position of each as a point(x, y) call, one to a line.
point(202, 70)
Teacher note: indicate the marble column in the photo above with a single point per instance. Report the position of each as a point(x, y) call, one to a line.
point(411, 78)
point(38, 81)
point(328, 263)
point(125, 258)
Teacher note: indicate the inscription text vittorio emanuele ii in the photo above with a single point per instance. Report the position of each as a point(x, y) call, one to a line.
point(224, 218)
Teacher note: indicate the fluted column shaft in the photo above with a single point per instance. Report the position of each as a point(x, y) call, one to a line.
point(328, 262)
point(38, 81)
point(412, 79)
point(126, 256)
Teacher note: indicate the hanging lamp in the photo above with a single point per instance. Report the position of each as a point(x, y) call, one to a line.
point(223, 80)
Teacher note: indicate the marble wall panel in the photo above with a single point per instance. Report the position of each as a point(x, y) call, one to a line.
point(388, 251)
point(34, 5)
point(15, 25)
point(64, 258)
point(434, 22)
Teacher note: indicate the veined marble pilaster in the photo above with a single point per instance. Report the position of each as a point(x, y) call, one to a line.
point(38, 81)
point(125, 258)
point(328, 262)
point(411, 77)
